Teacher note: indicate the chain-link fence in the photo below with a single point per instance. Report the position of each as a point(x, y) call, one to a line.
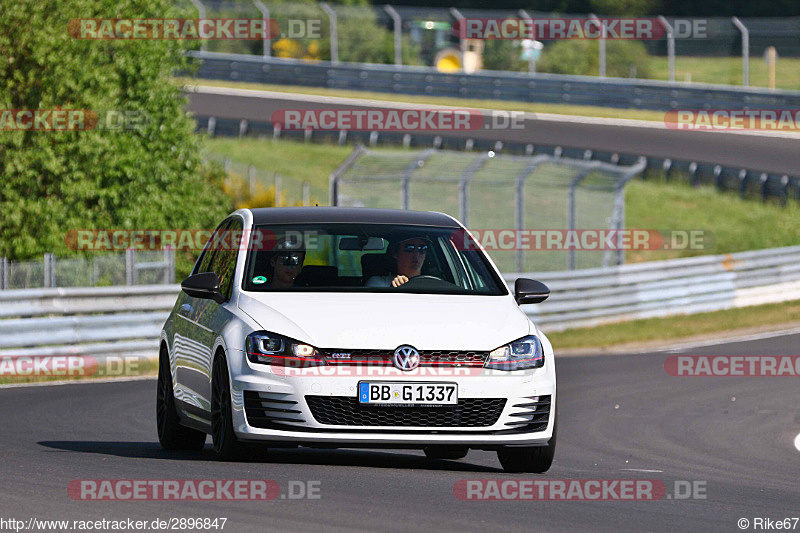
point(492, 193)
point(132, 267)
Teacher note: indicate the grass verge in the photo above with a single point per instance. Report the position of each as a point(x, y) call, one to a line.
point(728, 70)
point(676, 327)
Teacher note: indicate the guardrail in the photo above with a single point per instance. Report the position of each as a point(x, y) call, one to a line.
point(496, 85)
point(101, 321)
point(585, 298)
point(128, 320)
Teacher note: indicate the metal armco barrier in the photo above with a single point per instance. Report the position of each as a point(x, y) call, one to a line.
point(85, 321)
point(591, 297)
point(128, 320)
point(515, 86)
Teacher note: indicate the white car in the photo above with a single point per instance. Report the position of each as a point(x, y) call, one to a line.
point(354, 327)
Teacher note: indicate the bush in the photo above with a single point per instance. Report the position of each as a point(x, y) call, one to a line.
point(501, 54)
point(581, 57)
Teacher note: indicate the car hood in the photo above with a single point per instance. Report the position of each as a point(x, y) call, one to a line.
point(381, 321)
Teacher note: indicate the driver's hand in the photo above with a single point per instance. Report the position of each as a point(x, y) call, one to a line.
point(399, 280)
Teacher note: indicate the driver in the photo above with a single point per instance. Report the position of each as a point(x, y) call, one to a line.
point(409, 255)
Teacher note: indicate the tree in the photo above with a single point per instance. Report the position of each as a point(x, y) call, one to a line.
point(150, 177)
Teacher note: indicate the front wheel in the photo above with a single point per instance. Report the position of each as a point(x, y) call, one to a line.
point(226, 445)
point(171, 434)
point(535, 459)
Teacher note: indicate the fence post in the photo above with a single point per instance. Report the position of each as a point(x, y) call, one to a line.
point(398, 34)
point(306, 193)
point(333, 179)
point(573, 185)
point(49, 270)
point(670, 47)
point(602, 42)
point(520, 206)
point(267, 35)
point(251, 174)
point(169, 259)
point(3, 273)
point(745, 50)
point(456, 14)
point(201, 12)
point(130, 266)
point(334, 31)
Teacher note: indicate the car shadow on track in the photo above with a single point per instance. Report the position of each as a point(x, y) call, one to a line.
point(301, 456)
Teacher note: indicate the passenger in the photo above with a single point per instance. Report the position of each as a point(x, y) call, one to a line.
point(286, 263)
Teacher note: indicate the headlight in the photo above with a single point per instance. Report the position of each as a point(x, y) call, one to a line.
point(273, 349)
point(526, 352)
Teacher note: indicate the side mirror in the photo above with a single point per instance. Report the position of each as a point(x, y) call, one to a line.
point(205, 285)
point(530, 291)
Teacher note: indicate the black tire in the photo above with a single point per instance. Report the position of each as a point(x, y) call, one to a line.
point(171, 434)
point(533, 459)
point(446, 452)
point(227, 446)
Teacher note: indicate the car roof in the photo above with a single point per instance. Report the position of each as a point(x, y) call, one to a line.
point(361, 215)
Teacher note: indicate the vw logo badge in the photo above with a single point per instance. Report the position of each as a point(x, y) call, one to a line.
point(406, 358)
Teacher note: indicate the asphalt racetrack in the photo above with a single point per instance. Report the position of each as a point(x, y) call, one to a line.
point(774, 154)
point(620, 416)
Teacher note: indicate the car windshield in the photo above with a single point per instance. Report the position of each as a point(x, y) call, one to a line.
point(368, 258)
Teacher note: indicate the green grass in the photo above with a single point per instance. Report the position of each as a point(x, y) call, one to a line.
point(296, 162)
point(735, 225)
point(676, 327)
point(728, 70)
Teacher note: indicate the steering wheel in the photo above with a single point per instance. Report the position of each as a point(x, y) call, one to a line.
point(421, 279)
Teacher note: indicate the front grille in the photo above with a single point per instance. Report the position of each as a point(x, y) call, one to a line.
point(268, 410)
point(347, 411)
point(385, 357)
point(531, 415)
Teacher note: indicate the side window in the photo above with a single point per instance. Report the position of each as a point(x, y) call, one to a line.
point(224, 261)
point(203, 264)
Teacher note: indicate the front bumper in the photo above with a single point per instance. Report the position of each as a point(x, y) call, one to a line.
point(291, 419)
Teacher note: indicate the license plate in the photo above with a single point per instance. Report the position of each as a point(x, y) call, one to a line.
point(383, 393)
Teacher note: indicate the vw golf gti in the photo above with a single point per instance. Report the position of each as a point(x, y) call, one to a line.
point(354, 327)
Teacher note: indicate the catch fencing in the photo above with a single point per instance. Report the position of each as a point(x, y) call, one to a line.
point(127, 320)
point(132, 267)
point(495, 191)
